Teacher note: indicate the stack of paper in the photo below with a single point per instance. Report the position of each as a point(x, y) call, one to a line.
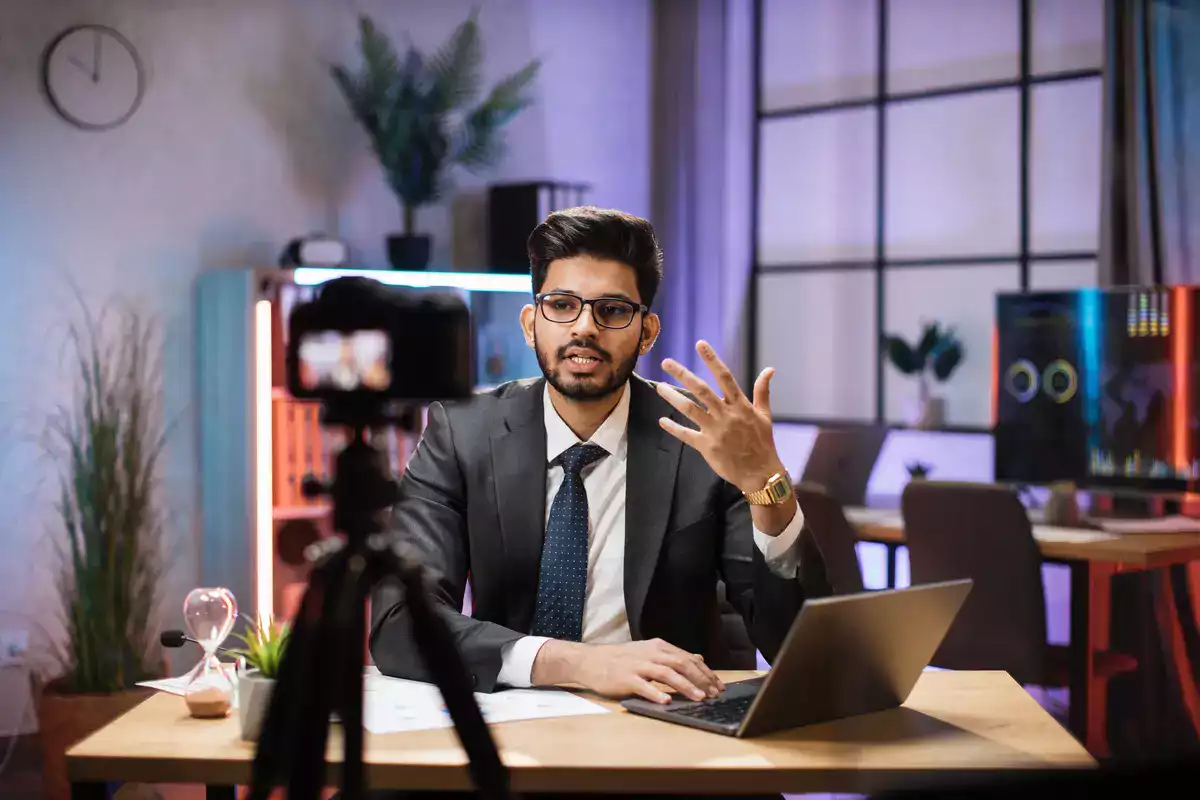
point(391, 705)
point(1170, 524)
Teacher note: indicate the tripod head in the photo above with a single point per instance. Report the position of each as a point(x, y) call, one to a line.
point(365, 353)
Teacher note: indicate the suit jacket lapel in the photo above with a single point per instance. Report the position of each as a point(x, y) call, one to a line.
point(653, 460)
point(519, 471)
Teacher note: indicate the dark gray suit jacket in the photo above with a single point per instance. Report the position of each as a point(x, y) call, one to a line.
point(473, 500)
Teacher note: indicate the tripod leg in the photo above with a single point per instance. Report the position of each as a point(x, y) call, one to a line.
point(436, 644)
point(352, 624)
point(276, 742)
point(307, 775)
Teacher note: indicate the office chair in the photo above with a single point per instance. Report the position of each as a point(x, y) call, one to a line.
point(835, 537)
point(983, 532)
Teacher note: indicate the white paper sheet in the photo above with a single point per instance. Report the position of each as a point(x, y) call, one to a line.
point(391, 705)
point(178, 686)
point(1170, 524)
point(1053, 533)
point(874, 516)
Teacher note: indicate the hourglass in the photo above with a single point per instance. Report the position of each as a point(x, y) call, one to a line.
point(209, 614)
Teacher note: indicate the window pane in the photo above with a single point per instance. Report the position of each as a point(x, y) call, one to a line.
point(817, 51)
point(952, 176)
point(1049, 276)
point(817, 188)
point(1067, 35)
point(962, 297)
point(1064, 179)
point(818, 330)
point(934, 43)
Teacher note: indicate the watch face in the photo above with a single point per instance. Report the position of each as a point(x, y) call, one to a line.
point(780, 487)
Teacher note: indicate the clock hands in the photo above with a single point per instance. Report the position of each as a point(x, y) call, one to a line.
point(94, 72)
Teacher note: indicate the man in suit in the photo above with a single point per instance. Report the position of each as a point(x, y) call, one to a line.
point(594, 511)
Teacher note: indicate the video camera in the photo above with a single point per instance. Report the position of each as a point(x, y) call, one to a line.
point(366, 350)
point(369, 353)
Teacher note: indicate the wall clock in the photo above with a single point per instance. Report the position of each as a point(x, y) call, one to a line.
point(93, 77)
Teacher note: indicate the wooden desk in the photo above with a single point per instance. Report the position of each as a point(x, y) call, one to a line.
point(1125, 551)
point(955, 725)
point(1093, 557)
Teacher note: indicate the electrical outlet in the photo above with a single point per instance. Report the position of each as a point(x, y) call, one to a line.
point(14, 645)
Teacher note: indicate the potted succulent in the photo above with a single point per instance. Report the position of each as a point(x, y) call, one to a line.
point(421, 116)
point(938, 353)
point(106, 440)
point(263, 653)
point(917, 470)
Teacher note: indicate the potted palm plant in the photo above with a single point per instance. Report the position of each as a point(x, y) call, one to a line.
point(938, 353)
point(106, 440)
point(421, 116)
point(263, 654)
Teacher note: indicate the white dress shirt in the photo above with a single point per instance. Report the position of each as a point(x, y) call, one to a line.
point(604, 617)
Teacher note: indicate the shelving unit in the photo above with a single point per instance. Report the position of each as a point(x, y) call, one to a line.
point(258, 442)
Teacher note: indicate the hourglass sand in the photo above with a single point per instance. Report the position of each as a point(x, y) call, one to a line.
point(209, 614)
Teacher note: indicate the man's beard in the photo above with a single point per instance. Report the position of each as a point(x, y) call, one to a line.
point(575, 389)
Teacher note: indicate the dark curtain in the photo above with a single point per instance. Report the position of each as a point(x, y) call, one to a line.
point(1150, 232)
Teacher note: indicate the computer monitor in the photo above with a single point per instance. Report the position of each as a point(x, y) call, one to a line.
point(1097, 386)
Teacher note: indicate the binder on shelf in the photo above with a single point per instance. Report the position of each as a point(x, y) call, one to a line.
point(515, 209)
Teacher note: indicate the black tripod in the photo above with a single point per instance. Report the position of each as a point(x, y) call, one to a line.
point(322, 668)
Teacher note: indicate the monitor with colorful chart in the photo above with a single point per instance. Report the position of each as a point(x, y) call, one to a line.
point(1097, 387)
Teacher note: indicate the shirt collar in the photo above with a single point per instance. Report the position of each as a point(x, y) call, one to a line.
point(612, 434)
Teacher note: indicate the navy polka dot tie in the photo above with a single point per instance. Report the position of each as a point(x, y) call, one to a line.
point(562, 582)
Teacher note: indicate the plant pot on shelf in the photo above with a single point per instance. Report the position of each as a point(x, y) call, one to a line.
point(926, 412)
point(406, 252)
point(930, 413)
point(254, 695)
point(66, 719)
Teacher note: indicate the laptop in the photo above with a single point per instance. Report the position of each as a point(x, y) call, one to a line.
point(842, 459)
point(844, 656)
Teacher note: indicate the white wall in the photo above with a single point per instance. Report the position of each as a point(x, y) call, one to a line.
point(242, 142)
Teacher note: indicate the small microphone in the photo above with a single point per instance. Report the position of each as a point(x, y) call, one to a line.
point(173, 638)
point(178, 639)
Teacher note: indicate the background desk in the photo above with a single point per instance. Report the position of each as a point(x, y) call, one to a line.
point(1093, 557)
point(955, 725)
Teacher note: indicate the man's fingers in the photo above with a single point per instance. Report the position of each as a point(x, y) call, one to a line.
point(700, 660)
point(669, 677)
point(721, 372)
point(685, 435)
point(682, 404)
point(690, 665)
point(702, 390)
point(643, 688)
point(700, 676)
point(762, 390)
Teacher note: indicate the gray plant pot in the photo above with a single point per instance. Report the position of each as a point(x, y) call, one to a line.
point(254, 695)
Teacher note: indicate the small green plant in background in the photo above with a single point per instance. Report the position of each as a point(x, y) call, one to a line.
point(917, 469)
point(106, 440)
point(264, 646)
point(422, 114)
point(937, 352)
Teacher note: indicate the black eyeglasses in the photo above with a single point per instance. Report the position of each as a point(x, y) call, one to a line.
point(609, 312)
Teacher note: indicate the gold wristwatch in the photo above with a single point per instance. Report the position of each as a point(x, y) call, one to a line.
point(778, 489)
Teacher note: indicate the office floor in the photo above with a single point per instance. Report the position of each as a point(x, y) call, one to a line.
point(22, 777)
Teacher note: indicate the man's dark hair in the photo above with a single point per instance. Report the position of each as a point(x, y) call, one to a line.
point(599, 233)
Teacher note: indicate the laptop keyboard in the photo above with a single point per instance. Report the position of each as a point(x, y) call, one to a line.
point(722, 712)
